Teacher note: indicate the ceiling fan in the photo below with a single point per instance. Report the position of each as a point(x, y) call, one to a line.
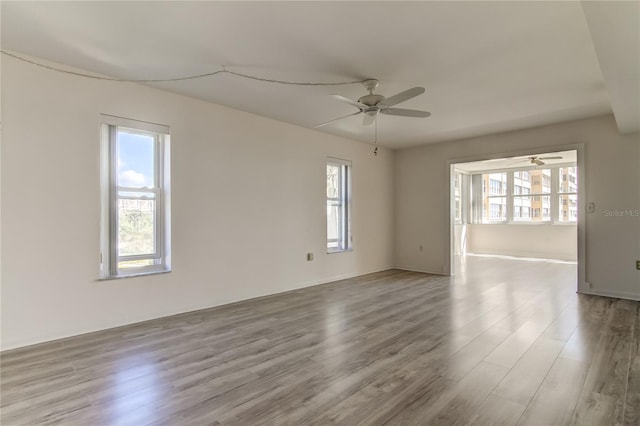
point(536, 160)
point(372, 104)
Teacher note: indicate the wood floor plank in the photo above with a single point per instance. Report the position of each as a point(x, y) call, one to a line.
point(496, 411)
point(466, 359)
point(555, 400)
point(525, 377)
point(510, 351)
point(603, 395)
point(632, 401)
point(503, 341)
point(459, 405)
point(631, 415)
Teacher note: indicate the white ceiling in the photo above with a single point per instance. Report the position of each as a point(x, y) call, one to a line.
point(487, 66)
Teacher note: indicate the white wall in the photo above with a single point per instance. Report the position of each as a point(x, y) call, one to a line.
point(612, 169)
point(248, 197)
point(540, 240)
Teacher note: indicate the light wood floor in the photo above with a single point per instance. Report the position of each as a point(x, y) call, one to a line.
point(505, 342)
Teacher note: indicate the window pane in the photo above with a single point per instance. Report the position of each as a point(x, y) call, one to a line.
point(522, 209)
point(458, 197)
point(135, 160)
point(495, 184)
point(540, 207)
point(540, 181)
point(568, 211)
point(568, 179)
point(521, 183)
point(136, 227)
point(495, 209)
point(333, 181)
point(333, 224)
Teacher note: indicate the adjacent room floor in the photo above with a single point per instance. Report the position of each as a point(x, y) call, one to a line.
point(504, 342)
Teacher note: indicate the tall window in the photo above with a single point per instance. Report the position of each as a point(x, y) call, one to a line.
point(458, 197)
point(135, 182)
point(568, 194)
point(338, 205)
point(494, 195)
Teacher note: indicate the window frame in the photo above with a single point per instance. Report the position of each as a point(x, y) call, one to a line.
point(457, 197)
point(532, 197)
point(492, 196)
point(560, 193)
point(110, 260)
point(345, 239)
point(553, 195)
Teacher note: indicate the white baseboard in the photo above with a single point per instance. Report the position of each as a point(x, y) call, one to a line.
point(424, 271)
point(615, 294)
point(518, 257)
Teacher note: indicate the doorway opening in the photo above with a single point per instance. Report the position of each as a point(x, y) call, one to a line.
point(524, 207)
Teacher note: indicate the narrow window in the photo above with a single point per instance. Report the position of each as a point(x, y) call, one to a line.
point(495, 199)
point(338, 205)
point(568, 194)
point(458, 197)
point(135, 221)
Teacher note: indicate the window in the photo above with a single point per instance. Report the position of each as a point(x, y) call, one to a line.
point(338, 205)
point(535, 198)
point(528, 196)
point(135, 203)
point(458, 197)
point(567, 194)
point(494, 201)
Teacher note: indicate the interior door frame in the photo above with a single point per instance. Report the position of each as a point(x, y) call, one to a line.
point(582, 285)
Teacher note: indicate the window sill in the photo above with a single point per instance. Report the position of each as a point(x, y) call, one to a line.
point(139, 274)
point(339, 251)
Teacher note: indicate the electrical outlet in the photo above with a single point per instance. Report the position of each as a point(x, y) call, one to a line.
point(420, 248)
point(638, 265)
point(309, 257)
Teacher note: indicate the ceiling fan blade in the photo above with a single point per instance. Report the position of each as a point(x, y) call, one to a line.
point(526, 160)
point(336, 119)
point(557, 157)
point(368, 119)
point(348, 101)
point(402, 96)
point(538, 162)
point(405, 112)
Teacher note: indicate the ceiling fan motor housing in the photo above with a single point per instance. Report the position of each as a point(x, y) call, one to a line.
point(371, 100)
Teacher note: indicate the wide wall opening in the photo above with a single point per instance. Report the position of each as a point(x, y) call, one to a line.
point(524, 207)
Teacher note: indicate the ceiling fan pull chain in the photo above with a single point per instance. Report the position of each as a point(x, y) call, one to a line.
point(375, 136)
